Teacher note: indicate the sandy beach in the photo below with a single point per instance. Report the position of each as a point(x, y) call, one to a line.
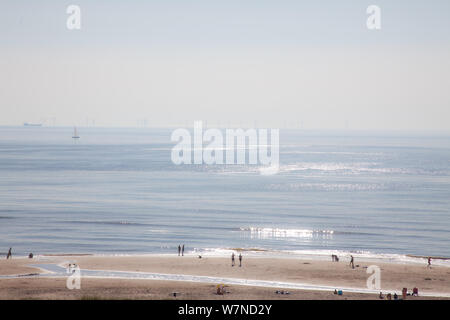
point(338, 275)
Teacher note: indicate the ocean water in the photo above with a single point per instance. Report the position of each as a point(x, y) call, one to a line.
point(116, 191)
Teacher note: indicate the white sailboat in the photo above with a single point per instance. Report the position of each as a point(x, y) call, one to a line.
point(75, 133)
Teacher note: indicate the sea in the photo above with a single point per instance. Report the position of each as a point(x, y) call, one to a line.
point(115, 191)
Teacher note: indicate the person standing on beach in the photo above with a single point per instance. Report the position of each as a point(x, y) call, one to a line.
point(9, 255)
point(352, 264)
point(429, 262)
point(182, 250)
point(232, 259)
point(240, 260)
point(179, 250)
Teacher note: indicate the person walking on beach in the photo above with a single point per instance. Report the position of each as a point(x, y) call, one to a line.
point(232, 259)
point(352, 264)
point(9, 255)
point(240, 260)
point(429, 262)
point(182, 250)
point(179, 250)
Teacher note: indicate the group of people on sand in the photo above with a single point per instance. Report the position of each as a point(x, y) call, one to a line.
point(9, 254)
point(335, 258)
point(181, 250)
point(232, 260)
point(389, 296)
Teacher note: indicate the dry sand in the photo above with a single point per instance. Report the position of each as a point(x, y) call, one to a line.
point(393, 278)
point(92, 289)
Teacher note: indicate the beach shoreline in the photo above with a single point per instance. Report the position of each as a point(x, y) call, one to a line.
point(19, 276)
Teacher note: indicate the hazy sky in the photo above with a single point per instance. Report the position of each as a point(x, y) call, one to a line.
point(273, 63)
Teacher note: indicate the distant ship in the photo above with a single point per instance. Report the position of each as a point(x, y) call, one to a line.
point(26, 124)
point(75, 134)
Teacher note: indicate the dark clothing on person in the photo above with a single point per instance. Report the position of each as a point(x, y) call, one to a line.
point(182, 250)
point(240, 260)
point(9, 255)
point(179, 249)
point(232, 259)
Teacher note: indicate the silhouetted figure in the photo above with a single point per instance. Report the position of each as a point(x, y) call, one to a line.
point(240, 260)
point(179, 250)
point(9, 255)
point(182, 250)
point(429, 262)
point(30, 256)
point(232, 259)
point(352, 264)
